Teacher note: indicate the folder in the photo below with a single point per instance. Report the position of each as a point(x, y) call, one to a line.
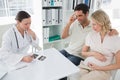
point(91, 4)
point(47, 34)
point(70, 5)
point(48, 2)
point(86, 2)
point(52, 2)
point(44, 35)
point(97, 4)
point(44, 17)
point(56, 16)
point(65, 4)
point(44, 2)
point(60, 16)
point(57, 3)
point(49, 16)
point(79, 1)
point(60, 2)
point(53, 17)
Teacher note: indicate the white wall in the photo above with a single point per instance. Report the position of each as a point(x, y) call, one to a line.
point(37, 20)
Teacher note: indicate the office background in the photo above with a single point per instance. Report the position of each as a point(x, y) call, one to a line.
point(48, 30)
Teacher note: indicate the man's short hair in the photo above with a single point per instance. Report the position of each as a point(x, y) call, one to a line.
point(83, 7)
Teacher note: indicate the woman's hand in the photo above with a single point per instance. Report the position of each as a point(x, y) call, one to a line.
point(28, 58)
point(94, 66)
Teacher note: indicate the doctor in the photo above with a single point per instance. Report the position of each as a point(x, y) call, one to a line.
point(16, 41)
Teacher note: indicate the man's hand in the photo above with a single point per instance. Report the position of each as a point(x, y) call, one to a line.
point(99, 56)
point(72, 18)
point(113, 32)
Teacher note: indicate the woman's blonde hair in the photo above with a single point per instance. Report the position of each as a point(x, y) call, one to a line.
point(102, 19)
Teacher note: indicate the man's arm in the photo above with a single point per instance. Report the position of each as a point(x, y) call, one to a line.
point(97, 55)
point(65, 32)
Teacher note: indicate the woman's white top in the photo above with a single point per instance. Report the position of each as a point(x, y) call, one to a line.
point(108, 47)
point(10, 53)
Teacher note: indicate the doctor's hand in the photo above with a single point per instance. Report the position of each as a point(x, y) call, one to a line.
point(28, 58)
point(30, 32)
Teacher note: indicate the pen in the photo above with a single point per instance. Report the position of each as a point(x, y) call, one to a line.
point(21, 67)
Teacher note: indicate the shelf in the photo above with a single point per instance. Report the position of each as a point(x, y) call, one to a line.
point(49, 7)
point(56, 41)
point(52, 25)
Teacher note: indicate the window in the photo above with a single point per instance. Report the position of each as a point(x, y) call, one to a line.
point(11, 7)
point(2, 8)
point(111, 7)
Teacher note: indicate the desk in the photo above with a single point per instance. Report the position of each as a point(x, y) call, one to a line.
point(54, 67)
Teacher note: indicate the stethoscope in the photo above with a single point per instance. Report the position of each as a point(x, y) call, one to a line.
point(16, 38)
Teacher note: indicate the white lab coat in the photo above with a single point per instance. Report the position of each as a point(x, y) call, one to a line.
point(9, 52)
point(3, 70)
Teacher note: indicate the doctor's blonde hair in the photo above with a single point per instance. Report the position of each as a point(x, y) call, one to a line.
point(102, 19)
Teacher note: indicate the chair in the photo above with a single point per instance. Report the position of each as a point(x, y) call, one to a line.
point(113, 73)
point(117, 75)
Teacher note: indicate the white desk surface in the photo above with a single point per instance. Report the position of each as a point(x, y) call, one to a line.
point(54, 67)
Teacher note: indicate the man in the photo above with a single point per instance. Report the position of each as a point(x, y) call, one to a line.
point(77, 28)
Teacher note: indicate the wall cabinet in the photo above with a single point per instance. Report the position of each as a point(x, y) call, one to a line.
point(52, 21)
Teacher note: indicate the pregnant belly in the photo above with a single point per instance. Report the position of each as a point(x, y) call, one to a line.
point(96, 61)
